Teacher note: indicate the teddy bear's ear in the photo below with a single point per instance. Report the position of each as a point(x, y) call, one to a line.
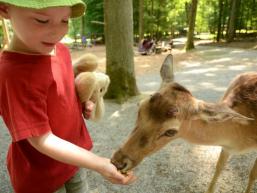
point(86, 63)
point(99, 110)
point(103, 82)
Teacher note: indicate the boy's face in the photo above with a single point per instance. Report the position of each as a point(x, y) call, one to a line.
point(37, 31)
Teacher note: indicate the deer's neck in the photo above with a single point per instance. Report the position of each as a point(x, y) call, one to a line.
point(203, 133)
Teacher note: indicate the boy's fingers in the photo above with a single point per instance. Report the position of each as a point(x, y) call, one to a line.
point(129, 178)
point(89, 106)
point(125, 179)
point(87, 116)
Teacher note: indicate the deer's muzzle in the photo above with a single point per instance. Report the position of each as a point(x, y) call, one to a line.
point(122, 162)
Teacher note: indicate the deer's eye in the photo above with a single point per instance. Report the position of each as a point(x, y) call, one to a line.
point(170, 133)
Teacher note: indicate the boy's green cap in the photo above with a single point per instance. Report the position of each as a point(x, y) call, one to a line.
point(78, 7)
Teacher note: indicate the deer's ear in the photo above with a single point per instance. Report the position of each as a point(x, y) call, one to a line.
point(166, 71)
point(218, 113)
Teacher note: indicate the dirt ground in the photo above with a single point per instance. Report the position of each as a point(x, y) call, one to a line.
point(250, 43)
point(151, 63)
point(143, 64)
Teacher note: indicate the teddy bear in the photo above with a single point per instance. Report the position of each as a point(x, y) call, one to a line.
point(90, 85)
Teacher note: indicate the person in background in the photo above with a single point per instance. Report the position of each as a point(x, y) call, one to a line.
point(84, 41)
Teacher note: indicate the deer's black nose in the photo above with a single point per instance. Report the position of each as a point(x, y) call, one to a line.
point(119, 166)
point(119, 160)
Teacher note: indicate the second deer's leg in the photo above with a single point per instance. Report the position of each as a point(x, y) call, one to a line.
point(252, 177)
point(224, 155)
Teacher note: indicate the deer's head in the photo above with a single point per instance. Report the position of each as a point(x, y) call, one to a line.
point(158, 122)
point(160, 119)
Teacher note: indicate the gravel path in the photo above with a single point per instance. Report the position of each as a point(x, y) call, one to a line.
point(179, 167)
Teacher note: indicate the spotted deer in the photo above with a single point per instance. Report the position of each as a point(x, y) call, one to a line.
point(173, 112)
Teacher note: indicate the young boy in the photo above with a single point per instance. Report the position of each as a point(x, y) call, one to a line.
point(39, 105)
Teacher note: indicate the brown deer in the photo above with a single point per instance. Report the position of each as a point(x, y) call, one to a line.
point(172, 113)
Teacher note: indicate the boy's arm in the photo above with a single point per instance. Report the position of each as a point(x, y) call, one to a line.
point(66, 152)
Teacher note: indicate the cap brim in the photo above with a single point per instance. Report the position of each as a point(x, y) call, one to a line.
point(78, 7)
point(78, 10)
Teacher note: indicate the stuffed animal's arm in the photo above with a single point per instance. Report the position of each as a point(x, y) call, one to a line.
point(92, 86)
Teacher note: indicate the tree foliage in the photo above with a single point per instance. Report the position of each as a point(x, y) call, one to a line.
point(91, 24)
point(165, 18)
point(162, 17)
point(94, 17)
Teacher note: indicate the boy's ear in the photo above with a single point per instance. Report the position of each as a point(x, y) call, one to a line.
point(4, 10)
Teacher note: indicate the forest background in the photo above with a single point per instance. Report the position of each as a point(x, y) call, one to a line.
point(123, 24)
point(164, 19)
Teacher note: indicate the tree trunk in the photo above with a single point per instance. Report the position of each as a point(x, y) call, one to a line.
point(141, 20)
point(232, 21)
point(220, 20)
point(224, 18)
point(119, 49)
point(83, 26)
point(190, 33)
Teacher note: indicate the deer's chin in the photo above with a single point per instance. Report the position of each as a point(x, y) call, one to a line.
point(123, 162)
point(126, 169)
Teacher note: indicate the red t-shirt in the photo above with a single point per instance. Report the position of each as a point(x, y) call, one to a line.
point(37, 95)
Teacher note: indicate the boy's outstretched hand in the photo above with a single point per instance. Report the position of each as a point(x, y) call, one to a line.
point(110, 172)
point(107, 169)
